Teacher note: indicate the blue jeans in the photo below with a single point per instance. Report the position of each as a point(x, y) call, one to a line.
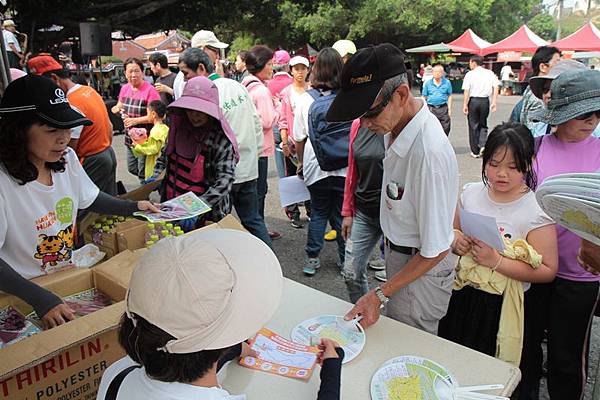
point(243, 196)
point(365, 234)
point(279, 157)
point(262, 185)
point(326, 199)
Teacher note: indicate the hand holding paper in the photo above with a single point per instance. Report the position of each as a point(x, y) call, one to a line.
point(482, 228)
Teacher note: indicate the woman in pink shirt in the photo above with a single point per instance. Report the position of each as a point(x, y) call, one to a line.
point(134, 106)
point(289, 99)
point(259, 63)
point(565, 307)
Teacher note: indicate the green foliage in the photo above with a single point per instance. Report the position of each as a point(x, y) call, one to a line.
point(288, 23)
point(242, 42)
point(544, 25)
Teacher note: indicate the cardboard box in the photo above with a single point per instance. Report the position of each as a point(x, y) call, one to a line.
point(122, 274)
point(128, 235)
point(67, 362)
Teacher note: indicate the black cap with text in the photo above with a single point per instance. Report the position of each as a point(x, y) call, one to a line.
point(45, 98)
point(362, 78)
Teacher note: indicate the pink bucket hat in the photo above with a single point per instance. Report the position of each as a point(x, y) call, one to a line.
point(281, 57)
point(201, 94)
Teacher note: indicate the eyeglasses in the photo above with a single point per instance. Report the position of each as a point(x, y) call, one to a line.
point(588, 115)
point(373, 112)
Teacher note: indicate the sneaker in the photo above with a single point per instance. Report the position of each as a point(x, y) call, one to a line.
point(381, 276)
point(474, 155)
point(311, 266)
point(274, 235)
point(377, 265)
point(296, 223)
point(330, 236)
point(481, 152)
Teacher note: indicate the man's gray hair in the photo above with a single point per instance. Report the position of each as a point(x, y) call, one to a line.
point(393, 83)
point(280, 68)
point(194, 56)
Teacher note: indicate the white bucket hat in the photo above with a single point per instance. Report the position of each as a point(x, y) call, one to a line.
point(209, 289)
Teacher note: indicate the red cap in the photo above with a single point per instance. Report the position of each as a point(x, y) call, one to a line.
point(40, 64)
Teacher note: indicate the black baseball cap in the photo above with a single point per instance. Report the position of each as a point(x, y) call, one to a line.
point(362, 78)
point(45, 98)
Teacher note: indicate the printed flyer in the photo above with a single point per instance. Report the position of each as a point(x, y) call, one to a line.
point(279, 356)
point(185, 206)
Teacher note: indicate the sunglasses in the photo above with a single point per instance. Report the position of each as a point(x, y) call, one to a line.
point(588, 115)
point(373, 112)
point(547, 86)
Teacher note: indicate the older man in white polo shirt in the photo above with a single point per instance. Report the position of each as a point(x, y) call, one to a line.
point(419, 192)
point(479, 84)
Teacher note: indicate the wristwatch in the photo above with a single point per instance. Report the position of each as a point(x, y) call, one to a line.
point(382, 297)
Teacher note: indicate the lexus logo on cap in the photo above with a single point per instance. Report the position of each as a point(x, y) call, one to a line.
point(60, 97)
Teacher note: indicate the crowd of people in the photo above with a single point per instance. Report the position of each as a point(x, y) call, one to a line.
point(380, 170)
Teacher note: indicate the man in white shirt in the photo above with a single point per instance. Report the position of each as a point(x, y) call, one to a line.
point(479, 84)
point(419, 189)
point(13, 49)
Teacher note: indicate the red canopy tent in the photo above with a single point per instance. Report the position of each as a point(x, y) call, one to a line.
point(522, 40)
point(587, 38)
point(471, 41)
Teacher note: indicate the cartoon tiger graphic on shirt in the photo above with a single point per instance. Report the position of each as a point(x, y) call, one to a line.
point(55, 248)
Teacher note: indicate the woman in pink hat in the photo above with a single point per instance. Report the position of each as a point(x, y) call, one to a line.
point(201, 149)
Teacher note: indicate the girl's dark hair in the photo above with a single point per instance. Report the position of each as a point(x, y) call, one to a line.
point(242, 54)
point(257, 57)
point(133, 60)
point(158, 107)
point(14, 152)
point(518, 138)
point(327, 70)
point(142, 342)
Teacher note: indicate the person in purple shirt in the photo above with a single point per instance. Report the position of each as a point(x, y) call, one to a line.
point(565, 307)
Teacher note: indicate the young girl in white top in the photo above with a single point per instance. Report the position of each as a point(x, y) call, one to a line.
point(486, 309)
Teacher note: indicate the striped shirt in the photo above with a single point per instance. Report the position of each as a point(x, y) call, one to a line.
point(209, 174)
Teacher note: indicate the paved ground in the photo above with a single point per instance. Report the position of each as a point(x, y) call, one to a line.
point(290, 247)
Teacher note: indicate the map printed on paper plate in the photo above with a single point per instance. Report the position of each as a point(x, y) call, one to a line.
point(350, 336)
point(279, 356)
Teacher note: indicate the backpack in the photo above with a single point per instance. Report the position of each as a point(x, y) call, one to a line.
point(330, 140)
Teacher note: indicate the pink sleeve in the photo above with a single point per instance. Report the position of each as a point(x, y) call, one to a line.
point(264, 106)
point(286, 109)
point(125, 89)
point(348, 207)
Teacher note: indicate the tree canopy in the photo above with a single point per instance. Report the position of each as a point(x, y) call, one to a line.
point(286, 23)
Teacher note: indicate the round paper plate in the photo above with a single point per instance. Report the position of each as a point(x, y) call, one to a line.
point(427, 363)
point(404, 381)
point(333, 327)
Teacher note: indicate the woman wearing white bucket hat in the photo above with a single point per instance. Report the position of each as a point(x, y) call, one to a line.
point(184, 315)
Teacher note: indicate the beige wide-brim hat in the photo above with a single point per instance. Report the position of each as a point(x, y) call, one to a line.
point(210, 289)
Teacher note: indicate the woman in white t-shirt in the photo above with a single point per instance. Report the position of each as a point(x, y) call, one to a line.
point(480, 296)
point(326, 187)
point(42, 186)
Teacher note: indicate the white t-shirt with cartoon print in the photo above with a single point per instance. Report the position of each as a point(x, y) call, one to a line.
point(36, 221)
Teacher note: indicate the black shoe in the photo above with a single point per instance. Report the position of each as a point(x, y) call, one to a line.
point(296, 223)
